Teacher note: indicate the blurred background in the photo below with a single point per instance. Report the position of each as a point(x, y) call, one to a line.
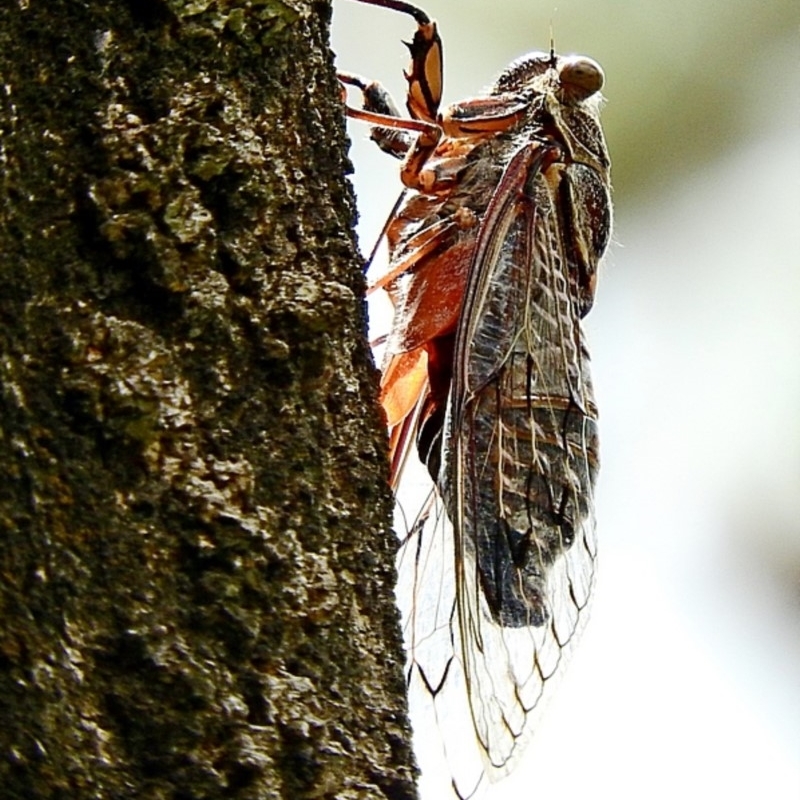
point(687, 682)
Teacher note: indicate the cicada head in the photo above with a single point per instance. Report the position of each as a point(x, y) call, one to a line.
point(573, 78)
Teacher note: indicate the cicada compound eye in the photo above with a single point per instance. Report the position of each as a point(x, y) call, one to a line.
point(580, 77)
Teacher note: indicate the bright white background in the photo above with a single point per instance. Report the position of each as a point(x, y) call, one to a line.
point(687, 682)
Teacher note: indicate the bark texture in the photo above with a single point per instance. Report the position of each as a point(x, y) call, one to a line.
point(196, 569)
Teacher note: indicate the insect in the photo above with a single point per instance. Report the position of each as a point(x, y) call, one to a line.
point(494, 251)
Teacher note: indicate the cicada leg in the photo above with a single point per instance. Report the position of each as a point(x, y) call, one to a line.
point(423, 97)
point(483, 116)
point(415, 153)
point(424, 94)
point(424, 74)
point(376, 100)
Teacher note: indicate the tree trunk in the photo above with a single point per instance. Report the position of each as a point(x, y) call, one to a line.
point(196, 566)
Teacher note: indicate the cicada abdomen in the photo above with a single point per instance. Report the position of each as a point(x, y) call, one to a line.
point(494, 252)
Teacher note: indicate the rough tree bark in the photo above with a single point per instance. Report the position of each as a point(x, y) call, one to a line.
point(195, 562)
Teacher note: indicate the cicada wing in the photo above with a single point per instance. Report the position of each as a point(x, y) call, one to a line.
point(447, 749)
point(509, 670)
point(496, 564)
point(473, 698)
point(521, 456)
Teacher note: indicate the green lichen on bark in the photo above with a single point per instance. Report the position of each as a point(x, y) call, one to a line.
point(195, 563)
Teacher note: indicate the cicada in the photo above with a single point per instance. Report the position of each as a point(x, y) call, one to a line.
point(494, 251)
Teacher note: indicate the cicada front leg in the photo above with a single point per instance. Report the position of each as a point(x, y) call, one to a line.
point(394, 135)
point(424, 74)
point(423, 97)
